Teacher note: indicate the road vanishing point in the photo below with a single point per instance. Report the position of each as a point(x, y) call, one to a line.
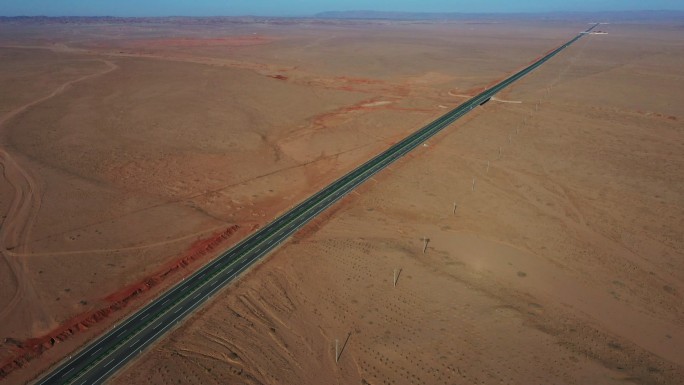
point(101, 358)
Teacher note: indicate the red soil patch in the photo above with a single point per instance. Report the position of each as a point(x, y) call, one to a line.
point(657, 115)
point(357, 85)
point(358, 80)
point(32, 348)
point(323, 119)
point(364, 85)
point(279, 77)
point(232, 41)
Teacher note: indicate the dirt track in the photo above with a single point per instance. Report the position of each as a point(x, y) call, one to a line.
point(17, 225)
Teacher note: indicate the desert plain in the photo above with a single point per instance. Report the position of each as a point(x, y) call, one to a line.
point(538, 240)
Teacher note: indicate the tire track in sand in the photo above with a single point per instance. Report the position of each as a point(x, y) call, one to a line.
point(15, 231)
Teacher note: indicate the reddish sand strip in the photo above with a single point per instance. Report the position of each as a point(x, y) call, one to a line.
point(657, 115)
point(322, 120)
point(359, 80)
point(233, 41)
point(34, 347)
point(375, 86)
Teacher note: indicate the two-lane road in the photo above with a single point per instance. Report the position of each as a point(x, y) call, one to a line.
point(102, 357)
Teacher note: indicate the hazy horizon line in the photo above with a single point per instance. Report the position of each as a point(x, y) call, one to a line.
point(369, 11)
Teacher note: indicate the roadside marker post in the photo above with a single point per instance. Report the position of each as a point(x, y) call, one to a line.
point(337, 350)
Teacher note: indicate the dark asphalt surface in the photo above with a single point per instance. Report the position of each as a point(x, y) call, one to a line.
point(102, 357)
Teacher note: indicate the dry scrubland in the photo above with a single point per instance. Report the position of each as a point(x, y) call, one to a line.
point(131, 151)
point(563, 266)
point(125, 144)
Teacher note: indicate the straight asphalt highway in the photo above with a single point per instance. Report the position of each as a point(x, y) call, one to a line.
point(124, 342)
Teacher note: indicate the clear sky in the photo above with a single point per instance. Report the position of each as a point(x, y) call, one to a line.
point(309, 7)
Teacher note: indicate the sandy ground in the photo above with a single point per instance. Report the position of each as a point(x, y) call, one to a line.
point(561, 263)
point(131, 154)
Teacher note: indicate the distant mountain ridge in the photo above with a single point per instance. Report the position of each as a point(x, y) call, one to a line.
point(334, 17)
point(616, 16)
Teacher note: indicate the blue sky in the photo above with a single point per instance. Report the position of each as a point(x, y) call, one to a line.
point(309, 7)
